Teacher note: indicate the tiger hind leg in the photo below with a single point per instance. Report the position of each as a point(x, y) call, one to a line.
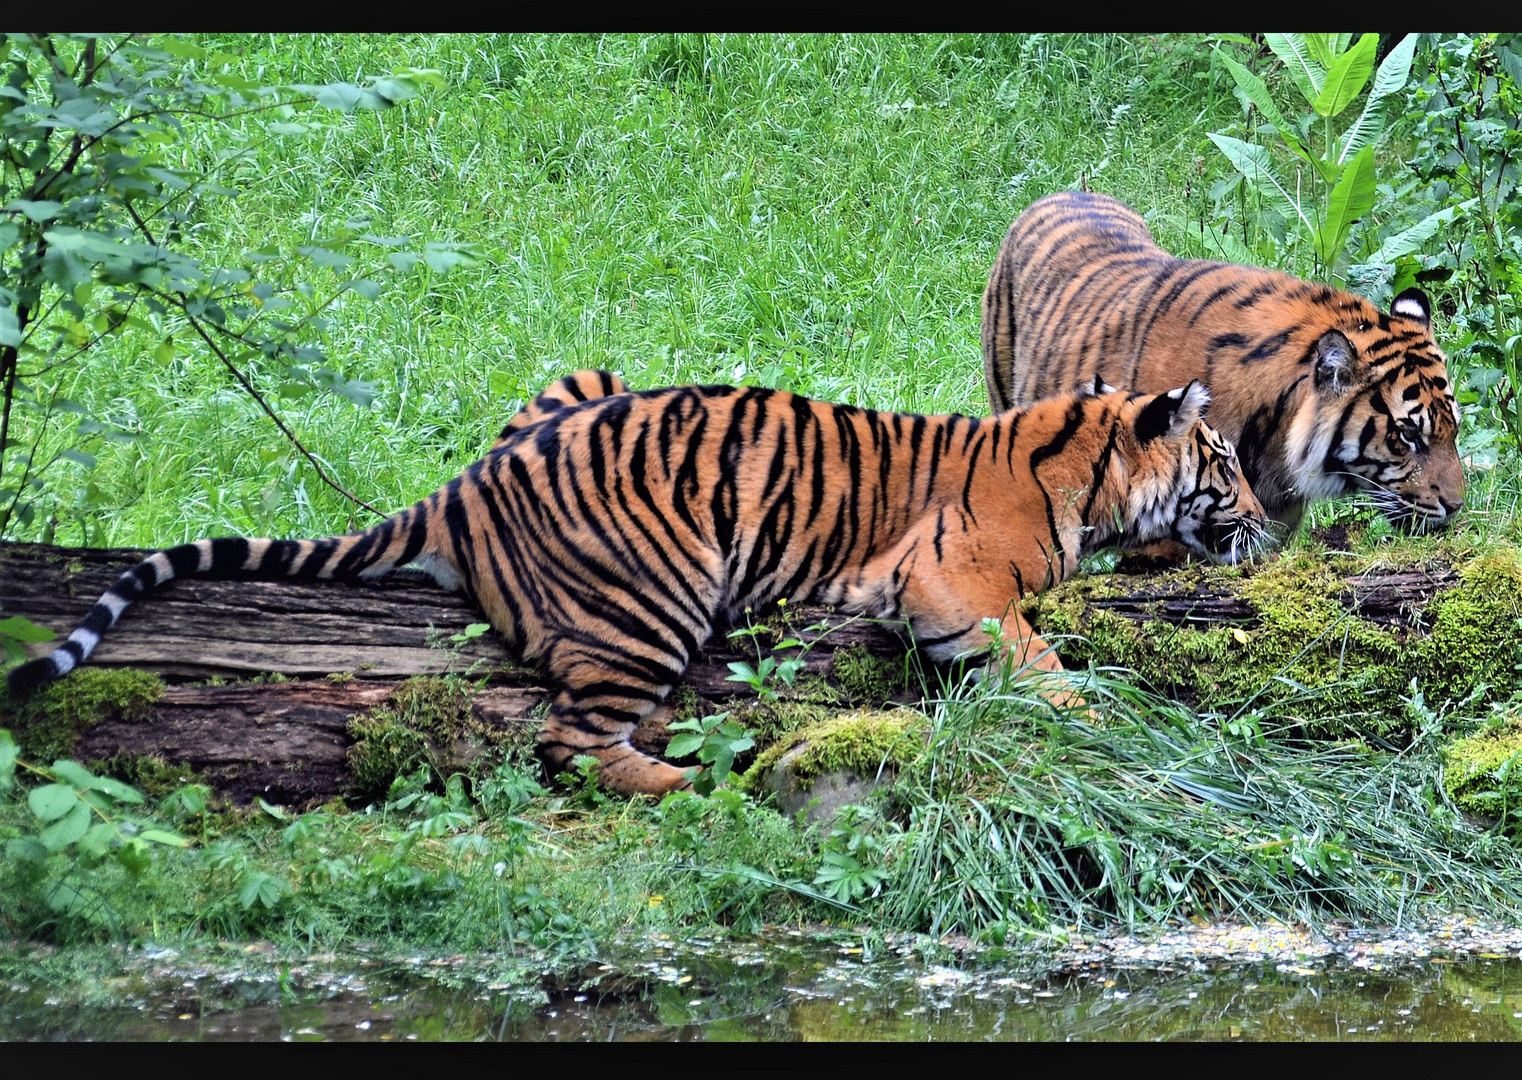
point(601, 702)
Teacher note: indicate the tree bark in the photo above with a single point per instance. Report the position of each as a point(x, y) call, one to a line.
point(348, 646)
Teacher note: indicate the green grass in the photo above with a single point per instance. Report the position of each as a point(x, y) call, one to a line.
point(815, 213)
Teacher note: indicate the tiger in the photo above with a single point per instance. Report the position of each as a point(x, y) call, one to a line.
point(1321, 392)
point(607, 539)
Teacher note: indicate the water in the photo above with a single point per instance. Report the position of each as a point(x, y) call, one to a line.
point(777, 988)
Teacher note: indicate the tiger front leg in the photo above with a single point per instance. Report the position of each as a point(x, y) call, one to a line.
point(946, 594)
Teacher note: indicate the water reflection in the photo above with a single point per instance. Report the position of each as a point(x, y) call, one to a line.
point(786, 991)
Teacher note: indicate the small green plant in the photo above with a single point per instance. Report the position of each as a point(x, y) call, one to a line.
point(1334, 185)
point(757, 677)
point(849, 869)
point(84, 818)
point(16, 632)
point(716, 740)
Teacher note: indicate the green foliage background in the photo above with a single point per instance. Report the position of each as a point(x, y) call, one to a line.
point(811, 212)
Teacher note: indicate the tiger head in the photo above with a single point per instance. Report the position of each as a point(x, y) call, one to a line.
point(1186, 484)
point(1384, 419)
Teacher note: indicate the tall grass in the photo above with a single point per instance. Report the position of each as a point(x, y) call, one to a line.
point(1021, 818)
point(811, 212)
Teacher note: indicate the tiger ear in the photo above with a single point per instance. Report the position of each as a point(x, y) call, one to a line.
point(1413, 304)
point(1170, 415)
point(1333, 355)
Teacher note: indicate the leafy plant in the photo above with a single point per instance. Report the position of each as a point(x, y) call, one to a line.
point(16, 632)
point(716, 740)
point(1334, 183)
point(758, 676)
point(101, 192)
point(1468, 147)
point(84, 818)
point(850, 867)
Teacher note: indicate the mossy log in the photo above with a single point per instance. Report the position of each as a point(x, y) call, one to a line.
point(336, 679)
point(1335, 642)
point(353, 683)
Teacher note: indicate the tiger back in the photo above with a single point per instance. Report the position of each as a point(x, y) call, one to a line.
point(605, 540)
point(1322, 393)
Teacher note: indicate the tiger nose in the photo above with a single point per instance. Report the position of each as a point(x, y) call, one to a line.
point(1452, 503)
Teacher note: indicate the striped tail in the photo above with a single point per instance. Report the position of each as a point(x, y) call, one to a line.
point(395, 542)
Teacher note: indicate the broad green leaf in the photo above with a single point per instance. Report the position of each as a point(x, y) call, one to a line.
point(1511, 63)
point(1346, 78)
point(263, 889)
point(23, 629)
point(1321, 48)
point(1307, 75)
point(52, 801)
point(1257, 92)
point(276, 812)
point(10, 326)
point(1350, 200)
point(79, 457)
point(1390, 77)
point(442, 258)
point(322, 256)
point(8, 235)
point(97, 840)
point(1253, 162)
point(116, 789)
point(1409, 241)
point(683, 745)
point(341, 96)
point(38, 210)
point(175, 46)
point(72, 772)
point(163, 836)
point(7, 760)
point(66, 829)
point(366, 288)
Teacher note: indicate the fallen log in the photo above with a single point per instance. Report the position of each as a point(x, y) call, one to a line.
point(348, 647)
point(329, 654)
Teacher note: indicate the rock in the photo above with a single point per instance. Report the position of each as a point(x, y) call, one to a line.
point(823, 795)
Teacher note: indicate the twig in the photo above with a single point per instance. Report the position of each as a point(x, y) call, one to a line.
point(195, 324)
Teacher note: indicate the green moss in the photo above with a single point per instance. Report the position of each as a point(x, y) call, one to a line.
point(1472, 776)
point(48, 724)
point(867, 679)
point(1339, 674)
point(153, 776)
point(427, 721)
point(1475, 628)
point(857, 742)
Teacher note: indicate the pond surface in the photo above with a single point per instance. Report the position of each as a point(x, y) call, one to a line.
point(785, 987)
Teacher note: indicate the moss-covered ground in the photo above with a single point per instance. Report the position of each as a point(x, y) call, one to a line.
point(1308, 649)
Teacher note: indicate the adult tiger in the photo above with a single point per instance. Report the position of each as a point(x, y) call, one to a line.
point(606, 539)
point(1321, 392)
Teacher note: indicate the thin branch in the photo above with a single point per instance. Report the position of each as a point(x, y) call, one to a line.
point(96, 340)
point(195, 324)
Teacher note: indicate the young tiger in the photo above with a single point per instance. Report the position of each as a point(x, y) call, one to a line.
point(605, 540)
point(1322, 393)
